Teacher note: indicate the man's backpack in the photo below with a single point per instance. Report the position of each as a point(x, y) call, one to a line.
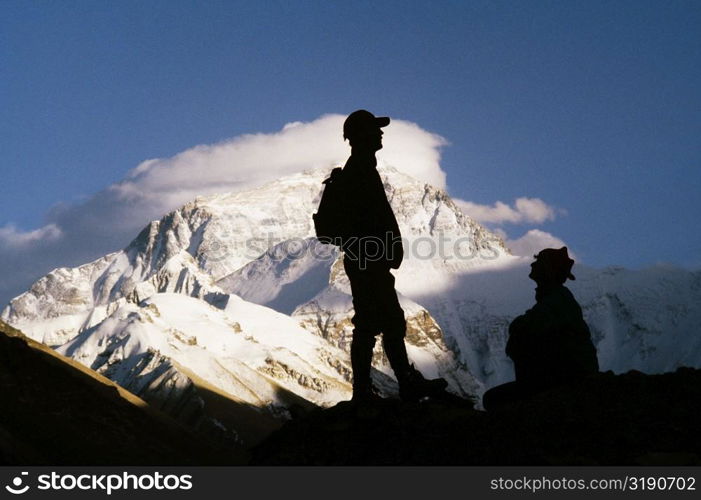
point(329, 220)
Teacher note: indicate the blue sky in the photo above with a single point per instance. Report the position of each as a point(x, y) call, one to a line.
point(592, 107)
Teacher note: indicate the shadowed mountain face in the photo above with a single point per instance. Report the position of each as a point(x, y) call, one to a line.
point(606, 420)
point(56, 412)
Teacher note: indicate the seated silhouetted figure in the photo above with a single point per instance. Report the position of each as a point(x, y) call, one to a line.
point(550, 344)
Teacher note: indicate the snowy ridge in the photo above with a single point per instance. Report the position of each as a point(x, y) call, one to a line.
point(160, 348)
point(208, 239)
point(210, 343)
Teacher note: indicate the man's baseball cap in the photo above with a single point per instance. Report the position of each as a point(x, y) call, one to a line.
point(361, 120)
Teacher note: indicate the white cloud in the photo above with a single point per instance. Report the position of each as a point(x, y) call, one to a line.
point(533, 242)
point(11, 237)
point(256, 158)
point(524, 210)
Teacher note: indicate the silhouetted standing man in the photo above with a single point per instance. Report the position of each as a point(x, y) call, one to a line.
point(372, 246)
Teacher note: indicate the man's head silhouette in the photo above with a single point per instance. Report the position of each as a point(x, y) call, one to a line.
point(362, 129)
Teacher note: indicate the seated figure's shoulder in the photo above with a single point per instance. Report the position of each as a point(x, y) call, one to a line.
point(565, 292)
point(559, 297)
point(567, 297)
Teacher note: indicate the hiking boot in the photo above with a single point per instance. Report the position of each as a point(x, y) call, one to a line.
point(413, 386)
point(365, 395)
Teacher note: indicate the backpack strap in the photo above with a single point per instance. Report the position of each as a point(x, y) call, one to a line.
point(335, 175)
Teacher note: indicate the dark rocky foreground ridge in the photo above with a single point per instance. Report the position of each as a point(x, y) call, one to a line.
point(629, 419)
point(57, 412)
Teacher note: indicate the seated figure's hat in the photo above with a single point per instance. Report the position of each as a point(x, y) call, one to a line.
point(558, 260)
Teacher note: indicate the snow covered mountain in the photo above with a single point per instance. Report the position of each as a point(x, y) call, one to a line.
point(171, 347)
point(231, 295)
point(159, 316)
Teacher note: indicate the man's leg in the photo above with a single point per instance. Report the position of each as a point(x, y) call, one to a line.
point(366, 328)
point(361, 362)
point(377, 309)
point(393, 329)
point(412, 385)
